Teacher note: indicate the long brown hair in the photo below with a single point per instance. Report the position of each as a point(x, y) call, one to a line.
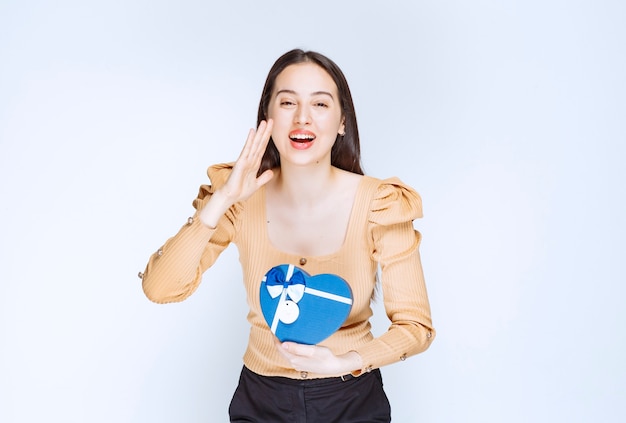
point(346, 152)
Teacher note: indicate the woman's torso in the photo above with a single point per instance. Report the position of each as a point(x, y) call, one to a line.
point(347, 255)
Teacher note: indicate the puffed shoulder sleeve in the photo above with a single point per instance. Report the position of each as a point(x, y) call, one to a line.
point(395, 202)
point(395, 246)
point(175, 270)
point(393, 209)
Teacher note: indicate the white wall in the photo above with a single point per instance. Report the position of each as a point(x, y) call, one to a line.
point(508, 117)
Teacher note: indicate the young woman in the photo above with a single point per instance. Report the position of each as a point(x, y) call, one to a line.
point(297, 196)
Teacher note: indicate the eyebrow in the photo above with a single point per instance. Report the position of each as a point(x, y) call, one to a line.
point(313, 93)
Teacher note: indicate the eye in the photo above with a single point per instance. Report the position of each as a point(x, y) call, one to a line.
point(321, 104)
point(287, 103)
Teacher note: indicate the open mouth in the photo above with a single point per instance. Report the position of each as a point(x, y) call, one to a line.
point(301, 136)
point(301, 139)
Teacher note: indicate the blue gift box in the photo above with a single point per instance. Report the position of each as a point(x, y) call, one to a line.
point(302, 308)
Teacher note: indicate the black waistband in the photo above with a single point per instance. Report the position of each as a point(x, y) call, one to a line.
point(304, 381)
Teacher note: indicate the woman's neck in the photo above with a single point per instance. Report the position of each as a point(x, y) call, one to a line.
point(303, 186)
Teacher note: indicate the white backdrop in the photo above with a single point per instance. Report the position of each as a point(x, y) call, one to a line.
point(507, 116)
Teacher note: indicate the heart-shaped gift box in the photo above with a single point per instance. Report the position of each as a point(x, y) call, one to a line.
point(302, 308)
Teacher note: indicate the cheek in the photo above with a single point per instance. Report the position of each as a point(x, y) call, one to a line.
point(277, 114)
point(329, 121)
point(271, 110)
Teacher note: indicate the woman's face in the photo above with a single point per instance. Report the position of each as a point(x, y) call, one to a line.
point(307, 114)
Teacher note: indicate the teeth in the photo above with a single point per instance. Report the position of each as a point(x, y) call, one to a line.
point(302, 137)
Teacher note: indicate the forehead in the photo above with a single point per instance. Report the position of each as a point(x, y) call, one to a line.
point(305, 78)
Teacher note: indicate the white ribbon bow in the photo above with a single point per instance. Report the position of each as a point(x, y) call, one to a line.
point(295, 290)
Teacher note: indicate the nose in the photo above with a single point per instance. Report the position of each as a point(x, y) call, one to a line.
point(303, 115)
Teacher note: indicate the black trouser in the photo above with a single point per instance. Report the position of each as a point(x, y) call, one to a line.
point(264, 399)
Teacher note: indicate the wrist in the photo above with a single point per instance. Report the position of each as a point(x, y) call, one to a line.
point(214, 209)
point(353, 361)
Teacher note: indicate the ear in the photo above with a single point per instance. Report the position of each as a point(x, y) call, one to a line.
point(342, 128)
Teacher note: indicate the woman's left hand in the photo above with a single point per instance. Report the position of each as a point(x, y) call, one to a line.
point(317, 359)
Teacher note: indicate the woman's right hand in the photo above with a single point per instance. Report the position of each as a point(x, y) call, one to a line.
point(243, 181)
